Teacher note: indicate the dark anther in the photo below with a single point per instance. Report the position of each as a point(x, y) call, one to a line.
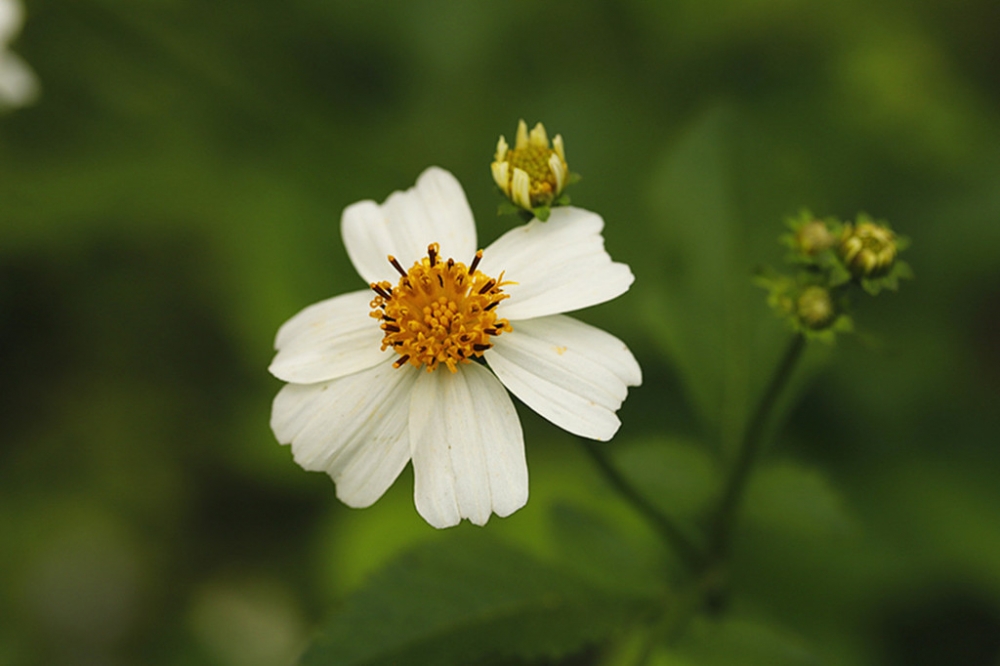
point(486, 287)
point(380, 291)
point(392, 328)
point(481, 348)
point(399, 363)
point(475, 262)
point(441, 281)
point(395, 264)
point(491, 306)
point(432, 255)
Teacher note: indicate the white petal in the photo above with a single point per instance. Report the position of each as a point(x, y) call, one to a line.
point(521, 141)
point(520, 188)
point(329, 339)
point(467, 447)
point(435, 210)
point(11, 18)
point(573, 374)
point(502, 149)
point(538, 137)
point(18, 85)
point(559, 265)
point(559, 171)
point(557, 145)
point(501, 176)
point(353, 428)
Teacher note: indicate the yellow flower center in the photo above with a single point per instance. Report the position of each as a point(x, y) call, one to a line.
point(534, 161)
point(439, 312)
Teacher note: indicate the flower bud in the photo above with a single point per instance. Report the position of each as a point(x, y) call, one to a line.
point(813, 237)
point(867, 249)
point(533, 173)
point(815, 308)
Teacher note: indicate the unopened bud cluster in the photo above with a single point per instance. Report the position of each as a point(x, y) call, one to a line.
point(831, 257)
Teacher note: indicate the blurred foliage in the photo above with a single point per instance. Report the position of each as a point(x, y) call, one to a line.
point(174, 196)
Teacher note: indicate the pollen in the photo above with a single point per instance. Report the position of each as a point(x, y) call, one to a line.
point(441, 312)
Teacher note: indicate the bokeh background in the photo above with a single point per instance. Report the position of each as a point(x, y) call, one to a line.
point(174, 195)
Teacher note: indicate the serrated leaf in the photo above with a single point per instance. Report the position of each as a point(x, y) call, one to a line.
point(468, 599)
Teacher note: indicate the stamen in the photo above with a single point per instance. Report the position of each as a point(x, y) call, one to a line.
point(475, 262)
point(395, 264)
point(441, 313)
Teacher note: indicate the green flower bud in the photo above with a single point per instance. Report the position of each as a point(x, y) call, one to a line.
point(815, 308)
point(533, 173)
point(867, 249)
point(813, 237)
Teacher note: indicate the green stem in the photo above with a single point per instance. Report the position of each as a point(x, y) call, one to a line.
point(685, 548)
point(749, 450)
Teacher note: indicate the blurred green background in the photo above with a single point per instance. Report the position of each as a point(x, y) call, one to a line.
point(175, 195)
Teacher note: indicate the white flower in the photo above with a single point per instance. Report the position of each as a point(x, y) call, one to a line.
point(384, 376)
point(18, 85)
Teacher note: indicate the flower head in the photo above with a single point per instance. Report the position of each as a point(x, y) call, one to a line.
point(414, 368)
point(868, 249)
point(815, 308)
point(533, 173)
point(18, 85)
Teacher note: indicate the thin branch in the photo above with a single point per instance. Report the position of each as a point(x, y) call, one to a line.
point(686, 549)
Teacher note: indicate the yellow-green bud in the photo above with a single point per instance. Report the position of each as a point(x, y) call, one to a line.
point(868, 249)
point(813, 238)
point(532, 173)
point(815, 308)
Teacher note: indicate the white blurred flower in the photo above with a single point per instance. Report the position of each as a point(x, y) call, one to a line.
point(417, 369)
point(18, 85)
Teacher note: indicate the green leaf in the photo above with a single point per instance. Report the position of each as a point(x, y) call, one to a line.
point(603, 553)
point(789, 498)
point(714, 228)
point(468, 599)
point(742, 641)
point(542, 213)
point(678, 476)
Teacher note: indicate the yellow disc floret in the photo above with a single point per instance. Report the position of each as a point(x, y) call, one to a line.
point(439, 312)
